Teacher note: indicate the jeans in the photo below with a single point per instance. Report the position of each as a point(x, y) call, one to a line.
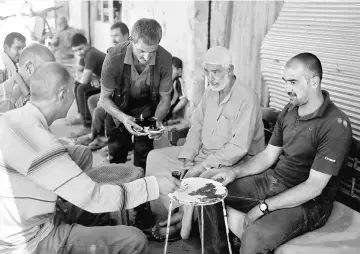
point(65, 238)
point(98, 116)
point(120, 142)
point(271, 230)
point(82, 93)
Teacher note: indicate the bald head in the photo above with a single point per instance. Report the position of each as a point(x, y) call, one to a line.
point(48, 80)
point(218, 55)
point(37, 54)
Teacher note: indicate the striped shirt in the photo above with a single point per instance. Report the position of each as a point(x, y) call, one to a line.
point(35, 168)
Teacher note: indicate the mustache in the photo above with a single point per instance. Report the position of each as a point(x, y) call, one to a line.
point(291, 94)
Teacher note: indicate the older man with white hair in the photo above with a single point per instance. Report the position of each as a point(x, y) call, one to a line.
point(227, 127)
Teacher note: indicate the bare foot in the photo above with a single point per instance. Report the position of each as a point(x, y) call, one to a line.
point(159, 232)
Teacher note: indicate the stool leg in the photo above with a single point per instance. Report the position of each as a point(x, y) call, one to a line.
point(168, 225)
point(202, 237)
point(226, 223)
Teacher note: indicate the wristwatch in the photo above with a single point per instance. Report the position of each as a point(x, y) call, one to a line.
point(263, 207)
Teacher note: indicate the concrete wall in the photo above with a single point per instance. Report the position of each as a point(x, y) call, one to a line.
point(79, 15)
point(241, 26)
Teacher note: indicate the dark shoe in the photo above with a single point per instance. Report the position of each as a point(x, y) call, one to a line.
point(235, 242)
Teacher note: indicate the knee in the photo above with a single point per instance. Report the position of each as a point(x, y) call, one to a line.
point(152, 158)
point(138, 240)
point(254, 241)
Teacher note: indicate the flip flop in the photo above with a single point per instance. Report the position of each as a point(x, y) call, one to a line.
point(84, 140)
point(80, 133)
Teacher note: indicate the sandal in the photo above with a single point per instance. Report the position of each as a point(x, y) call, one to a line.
point(97, 144)
point(84, 140)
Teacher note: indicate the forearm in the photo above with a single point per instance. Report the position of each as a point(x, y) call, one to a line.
point(98, 198)
point(162, 108)
point(112, 109)
point(181, 104)
point(293, 197)
point(253, 166)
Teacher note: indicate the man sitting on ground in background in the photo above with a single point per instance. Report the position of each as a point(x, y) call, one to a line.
point(119, 33)
point(35, 168)
point(226, 127)
point(309, 143)
point(89, 83)
point(179, 97)
point(15, 93)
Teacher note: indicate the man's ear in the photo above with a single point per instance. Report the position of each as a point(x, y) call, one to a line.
point(62, 95)
point(231, 69)
point(6, 48)
point(315, 81)
point(30, 68)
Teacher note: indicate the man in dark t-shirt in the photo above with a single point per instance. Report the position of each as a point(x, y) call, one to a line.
point(89, 83)
point(309, 146)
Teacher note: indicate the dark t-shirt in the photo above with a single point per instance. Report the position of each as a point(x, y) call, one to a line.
point(319, 141)
point(93, 60)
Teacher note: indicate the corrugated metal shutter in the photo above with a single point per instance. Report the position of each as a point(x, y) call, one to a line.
point(330, 30)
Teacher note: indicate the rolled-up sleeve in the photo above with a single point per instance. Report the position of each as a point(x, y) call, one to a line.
point(242, 138)
point(193, 142)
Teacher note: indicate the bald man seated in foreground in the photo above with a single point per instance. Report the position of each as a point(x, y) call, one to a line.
point(35, 168)
point(227, 127)
point(16, 94)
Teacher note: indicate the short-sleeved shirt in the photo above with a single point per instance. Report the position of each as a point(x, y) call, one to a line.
point(318, 141)
point(140, 86)
point(93, 60)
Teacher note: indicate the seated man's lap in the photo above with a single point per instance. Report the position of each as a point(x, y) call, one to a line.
point(79, 239)
point(279, 226)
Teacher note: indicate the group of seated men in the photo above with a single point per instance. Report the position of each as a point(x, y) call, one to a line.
point(277, 193)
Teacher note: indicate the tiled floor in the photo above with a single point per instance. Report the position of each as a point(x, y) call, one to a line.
point(61, 129)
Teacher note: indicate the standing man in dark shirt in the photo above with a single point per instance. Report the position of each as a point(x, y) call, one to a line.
point(92, 59)
point(310, 144)
point(136, 80)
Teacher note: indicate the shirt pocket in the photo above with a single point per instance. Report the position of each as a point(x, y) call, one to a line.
point(224, 127)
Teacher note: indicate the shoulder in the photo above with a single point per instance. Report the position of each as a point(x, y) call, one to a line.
point(246, 93)
point(21, 124)
point(335, 122)
point(163, 56)
point(118, 50)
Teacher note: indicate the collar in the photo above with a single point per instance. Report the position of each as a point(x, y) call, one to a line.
point(128, 58)
point(320, 112)
point(36, 113)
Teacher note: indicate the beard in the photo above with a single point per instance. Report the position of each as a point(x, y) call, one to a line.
point(222, 84)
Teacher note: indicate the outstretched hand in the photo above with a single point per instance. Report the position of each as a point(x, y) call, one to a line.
point(167, 184)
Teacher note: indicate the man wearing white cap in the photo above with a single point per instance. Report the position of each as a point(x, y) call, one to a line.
point(226, 128)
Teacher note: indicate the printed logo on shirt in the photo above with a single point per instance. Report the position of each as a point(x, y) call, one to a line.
point(329, 159)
